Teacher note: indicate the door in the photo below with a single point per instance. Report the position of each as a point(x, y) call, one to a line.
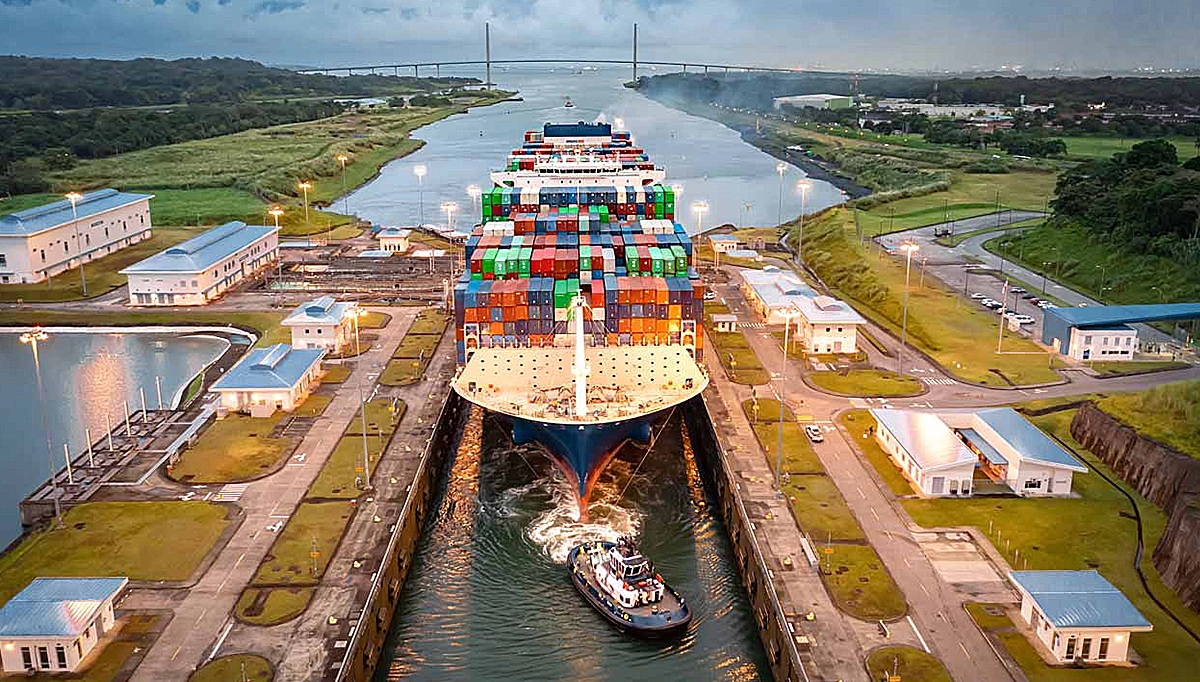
point(1070, 653)
point(1050, 484)
point(939, 483)
point(27, 657)
point(954, 486)
point(1102, 654)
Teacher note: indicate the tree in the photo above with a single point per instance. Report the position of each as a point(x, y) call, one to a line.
point(1152, 153)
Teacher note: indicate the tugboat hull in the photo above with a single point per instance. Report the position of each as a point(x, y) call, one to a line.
point(671, 616)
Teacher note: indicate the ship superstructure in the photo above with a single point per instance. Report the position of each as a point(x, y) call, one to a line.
point(579, 316)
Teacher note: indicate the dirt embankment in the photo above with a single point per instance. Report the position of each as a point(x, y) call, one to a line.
point(1166, 477)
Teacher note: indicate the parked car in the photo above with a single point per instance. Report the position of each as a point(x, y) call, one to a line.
point(1043, 304)
point(977, 296)
point(814, 433)
point(1017, 290)
point(1023, 319)
point(1028, 296)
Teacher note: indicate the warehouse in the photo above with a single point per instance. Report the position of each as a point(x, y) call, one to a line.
point(1103, 332)
point(998, 444)
point(55, 623)
point(814, 101)
point(322, 323)
point(267, 379)
point(43, 241)
point(823, 323)
point(200, 269)
point(1078, 615)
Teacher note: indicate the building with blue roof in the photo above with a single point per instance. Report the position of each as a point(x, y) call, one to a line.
point(722, 243)
point(394, 239)
point(278, 377)
point(823, 323)
point(1104, 332)
point(322, 323)
point(54, 623)
point(1078, 615)
point(202, 268)
point(942, 452)
point(43, 241)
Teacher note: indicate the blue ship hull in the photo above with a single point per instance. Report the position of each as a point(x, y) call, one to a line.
point(582, 450)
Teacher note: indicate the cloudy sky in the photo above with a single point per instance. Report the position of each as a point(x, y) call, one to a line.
point(841, 34)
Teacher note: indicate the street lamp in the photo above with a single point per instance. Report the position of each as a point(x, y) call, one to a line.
point(1045, 271)
point(74, 197)
point(745, 212)
point(342, 159)
point(33, 337)
point(803, 186)
point(419, 170)
point(356, 313)
point(787, 325)
point(908, 248)
point(780, 168)
point(304, 186)
point(450, 207)
point(1103, 278)
point(619, 123)
point(474, 192)
point(275, 212)
point(700, 208)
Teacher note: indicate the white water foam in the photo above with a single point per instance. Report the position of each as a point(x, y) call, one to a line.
point(557, 530)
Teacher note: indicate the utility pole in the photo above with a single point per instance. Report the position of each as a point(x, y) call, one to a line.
point(487, 46)
point(635, 55)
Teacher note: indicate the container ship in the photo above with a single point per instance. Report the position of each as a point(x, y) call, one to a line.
point(579, 315)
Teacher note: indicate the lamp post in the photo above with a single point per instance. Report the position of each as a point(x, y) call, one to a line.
point(74, 197)
point(803, 186)
point(342, 159)
point(746, 212)
point(1045, 271)
point(304, 186)
point(700, 208)
point(419, 170)
point(474, 192)
point(787, 325)
point(619, 123)
point(275, 212)
point(780, 168)
point(33, 337)
point(1103, 279)
point(908, 248)
point(450, 207)
point(362, 404)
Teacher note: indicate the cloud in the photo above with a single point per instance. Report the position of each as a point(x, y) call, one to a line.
point(274, 6)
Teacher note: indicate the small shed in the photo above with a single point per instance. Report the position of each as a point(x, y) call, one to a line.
point(725, 322)
point(54, 623)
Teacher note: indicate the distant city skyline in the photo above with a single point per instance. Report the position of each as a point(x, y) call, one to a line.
point(930, 35)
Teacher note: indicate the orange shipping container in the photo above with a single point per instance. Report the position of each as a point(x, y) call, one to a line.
point(675, 312)
point(624, 325)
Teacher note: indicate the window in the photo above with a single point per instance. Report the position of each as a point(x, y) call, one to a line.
point(1102, 654)
point(3, 260)
point(1033, 484)
point(44, 657)
point(43, 255)
point(61, 654)
point(1087, 338)
point(27, 657)
point(1070, 654)
point(1128, 340)
point(1103, 340)
point(1086, 650)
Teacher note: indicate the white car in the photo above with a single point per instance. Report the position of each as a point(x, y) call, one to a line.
point(977, 296)
point(1023, 319)
point(1043, 304)
point(814, 433)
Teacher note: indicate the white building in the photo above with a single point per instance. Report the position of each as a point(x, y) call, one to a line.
point(1078, 615)
point(322, 323)
point(821, 101)
point(941, 452)
point(394, 240)
point(722, 243)
point(200, 269)
point(41, 242)
point(1107, 342)
point(823, 323)
point(54, 623)
point(267, 379)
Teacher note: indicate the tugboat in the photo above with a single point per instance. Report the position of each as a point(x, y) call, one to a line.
point(568, 104)
point(622, 586)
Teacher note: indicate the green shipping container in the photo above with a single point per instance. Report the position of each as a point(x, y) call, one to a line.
point(560, 294)
point(656, 261)
point(585, 258)
point(668, 262)
point(523, 265)
point(681, 264)
point(501, 266)
point(489, 260)
point(631, 259)
point(670, 195)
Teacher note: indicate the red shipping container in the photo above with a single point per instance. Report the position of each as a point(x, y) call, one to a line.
point(645, 262)
point(598, 294)
point(477, 261)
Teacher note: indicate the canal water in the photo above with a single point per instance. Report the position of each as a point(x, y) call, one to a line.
point(86, 376)
point(488, 596)
point(709, 160)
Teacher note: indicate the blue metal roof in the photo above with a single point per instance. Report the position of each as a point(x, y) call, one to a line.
point(41, 218)
point(580, 129)
point(278, 366)
point(323, 310)
point(1028, 439)
point(374, 253)
point(203, 251)
point(1058, 322)
point(925, 437)
point(985, 448)
point(1079, 599)
point(56, 607)
point(722, 238)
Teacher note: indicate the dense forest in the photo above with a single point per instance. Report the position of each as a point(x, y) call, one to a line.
point(1141, 199)
point(55, 84)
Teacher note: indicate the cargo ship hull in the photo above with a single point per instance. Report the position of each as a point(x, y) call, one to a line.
point(582, 451)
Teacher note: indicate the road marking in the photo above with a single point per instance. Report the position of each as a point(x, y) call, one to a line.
point(176, 652)
point(861, 493)
point(231, 492)
point(913, 625)
point(906, 562)
point(964, 648)
point(220, 641)
point(874, 514)
point(923, 589)
point(938, 382)
point(202, 612)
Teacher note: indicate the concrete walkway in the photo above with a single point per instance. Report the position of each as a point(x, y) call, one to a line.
point(202, 613)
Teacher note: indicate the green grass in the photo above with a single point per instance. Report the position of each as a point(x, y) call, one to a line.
point(102, 274)
point(821, 510)
point(1135, 367)
point(911, 665)
point(105, 668)
point(236, 448)
point(856, 423)
point(969, 195)
point(960, 337)
point(336, 374)
point(277, 605)
point(860, 583)
point(798, 455)
point(313, 406)
point(267, 325)
point(1169, 414)
point(866, 382)
point(289, 562)
point(1091, 531)
point(380, 418)
point(415, 346)
point(336, 480)
point(207, 206)
point(154, 541)
point(229, 669)
point(429, 321)
point(374, 320)
point(21, 202)
point(740, 361)
point(1105, 147)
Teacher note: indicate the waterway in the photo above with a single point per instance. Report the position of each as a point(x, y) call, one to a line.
point(488, 596)
point(709, 160)
point(86, 376)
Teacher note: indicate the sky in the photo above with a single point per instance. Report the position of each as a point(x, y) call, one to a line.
point(883, 35)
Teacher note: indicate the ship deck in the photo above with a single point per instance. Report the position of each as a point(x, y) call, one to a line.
point(537, 383)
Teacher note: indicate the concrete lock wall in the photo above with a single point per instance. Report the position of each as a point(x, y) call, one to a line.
point(362, 654)
point(718, 476)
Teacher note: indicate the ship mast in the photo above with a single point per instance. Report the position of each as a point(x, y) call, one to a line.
point(580, 368)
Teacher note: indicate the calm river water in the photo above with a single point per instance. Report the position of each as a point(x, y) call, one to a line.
point(488, 596)
point(86, 376)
